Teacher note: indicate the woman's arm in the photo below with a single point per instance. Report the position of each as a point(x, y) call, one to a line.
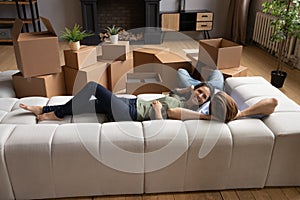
point(263, 107)
point(185, 114)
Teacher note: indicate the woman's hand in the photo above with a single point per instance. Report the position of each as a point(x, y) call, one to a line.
point(157, 106)
point(183, 90)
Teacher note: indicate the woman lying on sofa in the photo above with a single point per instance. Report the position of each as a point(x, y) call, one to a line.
point(222, 106)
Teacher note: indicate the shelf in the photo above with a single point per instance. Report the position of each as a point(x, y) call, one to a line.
point(5, 40)
point(22, 13)
point(12, 21)
point(19, 2)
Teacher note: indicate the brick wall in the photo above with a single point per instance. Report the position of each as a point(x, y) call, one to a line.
point(128, 14)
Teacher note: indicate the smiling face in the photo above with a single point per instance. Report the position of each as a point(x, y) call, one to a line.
point(200, 95)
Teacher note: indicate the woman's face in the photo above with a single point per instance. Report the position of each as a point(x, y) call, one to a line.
point(200, 95)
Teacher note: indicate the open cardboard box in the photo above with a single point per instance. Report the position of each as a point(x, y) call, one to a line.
point(220, 53)
point(163, 62)
point(37, 53)
point(139, 83)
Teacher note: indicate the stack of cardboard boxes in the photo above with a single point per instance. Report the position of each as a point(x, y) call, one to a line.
point(37, 56)
point(81, 67)
point(120, 62)
point(222, 54)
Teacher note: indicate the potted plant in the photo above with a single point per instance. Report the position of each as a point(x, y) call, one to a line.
point(74, 35)
point(286, 24)
point(113, 33)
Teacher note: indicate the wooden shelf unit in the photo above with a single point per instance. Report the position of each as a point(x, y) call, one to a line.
point(198, 20)
point(21, 12)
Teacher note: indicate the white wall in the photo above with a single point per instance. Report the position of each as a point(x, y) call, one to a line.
point(61, 13)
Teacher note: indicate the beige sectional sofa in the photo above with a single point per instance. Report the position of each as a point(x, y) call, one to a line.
point(83, 156)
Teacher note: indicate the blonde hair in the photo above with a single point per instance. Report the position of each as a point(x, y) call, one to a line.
point(222, 107)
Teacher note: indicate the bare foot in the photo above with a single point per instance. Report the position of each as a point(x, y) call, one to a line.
point(48, 116)
point(37, 110)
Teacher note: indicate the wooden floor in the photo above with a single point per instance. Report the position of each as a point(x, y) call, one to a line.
point(259, 63)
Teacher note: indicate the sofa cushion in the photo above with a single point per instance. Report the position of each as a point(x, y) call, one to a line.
point(209, 155)
point(166, 144)
point(251, 153)
point(6, 191)
point(248, 90)
point(29, 161)
point(6, 85)
point(17, 115)
point(285, 160)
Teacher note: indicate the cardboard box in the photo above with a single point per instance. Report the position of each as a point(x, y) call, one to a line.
point(162, 62)
point(145, 55)
point(141, 83)
point(37, 53)
point(234, 72)
point(84, 57)
point(115, 51)
point(46, 86)
point(76, 79)
point(117, 72)
point(220, 52)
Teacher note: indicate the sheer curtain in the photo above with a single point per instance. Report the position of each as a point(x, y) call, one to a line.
point(237, 20)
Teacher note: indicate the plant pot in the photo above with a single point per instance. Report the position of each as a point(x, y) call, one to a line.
point(278, 78)
point(74, 46)
point(114, 39)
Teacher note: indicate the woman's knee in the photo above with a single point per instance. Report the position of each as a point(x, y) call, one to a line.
point(92, 85)
point(182, 71)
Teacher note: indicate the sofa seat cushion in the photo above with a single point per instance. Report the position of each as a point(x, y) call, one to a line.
point(16, 115)
point(248, 90)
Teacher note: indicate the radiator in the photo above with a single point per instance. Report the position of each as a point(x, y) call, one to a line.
point(262, 34)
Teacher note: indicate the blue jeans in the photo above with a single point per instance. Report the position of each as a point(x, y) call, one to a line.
point(118, 109)
point(215, 78)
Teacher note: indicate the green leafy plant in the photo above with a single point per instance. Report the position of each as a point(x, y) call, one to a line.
point(286, 23)
point(75, 34)
point(114, 30)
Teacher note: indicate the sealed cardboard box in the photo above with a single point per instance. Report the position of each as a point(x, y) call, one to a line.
point(76, 79)
point(140, 83)
point(37, 53)
point(46, 85)
point(84, 57)
point(234, 72)
point(115, 51)
point(117, 74)
point(220, 52)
